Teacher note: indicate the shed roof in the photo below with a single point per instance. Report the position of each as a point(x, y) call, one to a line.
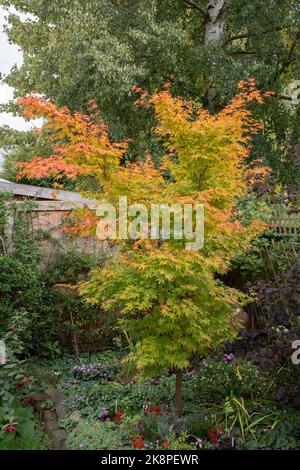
point(37, 192)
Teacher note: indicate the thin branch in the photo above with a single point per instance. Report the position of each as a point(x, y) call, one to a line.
point(255, 33)
point(200, 179)
point(294, 44)
point(243, 53)
point(290, 58)
point(258, 53)
point(281, 97)
point(196, 7)
point(284, 97)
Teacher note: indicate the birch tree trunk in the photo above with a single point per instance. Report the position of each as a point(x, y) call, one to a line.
point(214, 29)
point(214, 25)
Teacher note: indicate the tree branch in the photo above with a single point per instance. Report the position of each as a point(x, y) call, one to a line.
point(290, 59)
point(255, 33)
point(244, 53)
point(201, 177)
point(284, 97)
point(196, 7)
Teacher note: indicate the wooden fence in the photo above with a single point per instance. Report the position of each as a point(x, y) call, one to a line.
point(49, 217)
point(286, 225)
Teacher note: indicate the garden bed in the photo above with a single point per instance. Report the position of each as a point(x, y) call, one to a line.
point(227, 403)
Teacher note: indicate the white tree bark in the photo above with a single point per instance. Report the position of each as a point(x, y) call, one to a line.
point(214, 28)
point(214, 25)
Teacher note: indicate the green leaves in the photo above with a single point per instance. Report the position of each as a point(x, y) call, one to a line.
point(168, 317)
point(74, 51)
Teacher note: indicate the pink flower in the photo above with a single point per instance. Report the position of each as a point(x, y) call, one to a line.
point(228, 357)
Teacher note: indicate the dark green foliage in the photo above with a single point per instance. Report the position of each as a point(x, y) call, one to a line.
point(269, 255)
point(12, 371)
point(92, 325)
point(91, 398)
point(21, 146)
point(17, 422)
point(24, 284)
point(74, 51)
point(200, 423)
point(31, 442)
point(285, 436)
point(212, 382)
point(70, 266)
point(20, 284)
point(27, 437)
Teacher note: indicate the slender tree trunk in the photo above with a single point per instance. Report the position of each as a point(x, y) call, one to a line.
point(214, 29)
point(179, 392)
point(214, 24)
point(74, 335)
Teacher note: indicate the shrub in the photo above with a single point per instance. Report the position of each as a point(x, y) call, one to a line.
point(278, 301)
point(25, 442)
point(200, 423)
point(69, 266)
point(24, 285)
point(16, 388)
point(20, 285)
point(218, 379)
point(26, 434)
point(14, 383)
point(68, 314)
point(268, 256)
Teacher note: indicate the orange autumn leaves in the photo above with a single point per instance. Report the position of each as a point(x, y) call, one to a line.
point(80, 142)
point(205, 160)
point(210, 149)
point(81, 222)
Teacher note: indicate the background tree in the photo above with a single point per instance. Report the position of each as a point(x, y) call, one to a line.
point(75, 51)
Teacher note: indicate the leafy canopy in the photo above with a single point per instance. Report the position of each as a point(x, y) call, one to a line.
point(74, 51)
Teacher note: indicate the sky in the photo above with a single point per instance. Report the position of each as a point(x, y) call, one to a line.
point(9, 56)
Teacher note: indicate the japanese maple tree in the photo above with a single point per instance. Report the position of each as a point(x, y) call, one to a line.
point(167, 298)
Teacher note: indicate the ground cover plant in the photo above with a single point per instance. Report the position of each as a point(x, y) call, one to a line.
point(228, 403)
